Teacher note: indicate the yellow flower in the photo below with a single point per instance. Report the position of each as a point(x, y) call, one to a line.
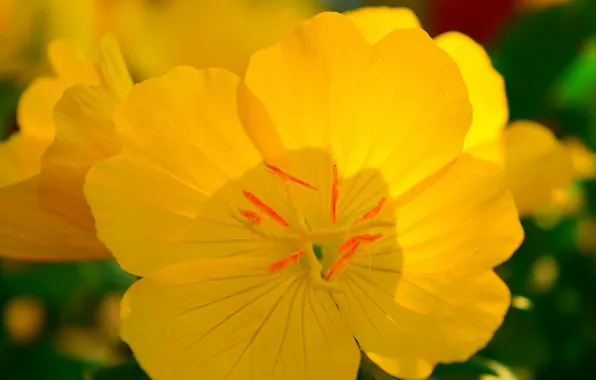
point(222, 33)
point(538, 166)
point(321, 198)
point(64, 129)
point(28, 26)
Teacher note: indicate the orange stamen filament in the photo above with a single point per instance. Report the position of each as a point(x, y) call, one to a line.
point(372, 212)
point(290, 177)
point(251, 216)
point(334, 194)
point(264, 208)
point(286, 261)
point(358, 239)
point(340, 263)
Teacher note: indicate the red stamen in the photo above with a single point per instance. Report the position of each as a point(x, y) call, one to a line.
point(290, 177)
point(286, 261)
point(252, 216)
point(346, 244)
point(340, 263)
point(266, 209)
point(372, 212)
point(334, 194)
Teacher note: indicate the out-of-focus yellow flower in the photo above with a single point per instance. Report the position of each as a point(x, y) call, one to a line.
point(218, 33)
point(540, 169)
point(28, 26)
point(322, 197)
point(64, 129)
point(24, 319)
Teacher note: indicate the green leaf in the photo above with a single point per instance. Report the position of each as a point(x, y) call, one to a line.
point(535, 52)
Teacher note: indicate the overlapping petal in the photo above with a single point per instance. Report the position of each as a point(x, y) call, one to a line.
point(487, 95)
point(371, 105)
point(84, 134)
point(231, 318)
point(182, 143)
point(45, 217)
point(377, 22)
point(442, 302)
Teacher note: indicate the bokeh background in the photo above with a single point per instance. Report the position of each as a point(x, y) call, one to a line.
point(59, 321)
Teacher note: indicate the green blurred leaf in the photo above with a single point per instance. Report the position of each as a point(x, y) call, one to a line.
point(534, 53)
point(40, 362)
point(577, 88)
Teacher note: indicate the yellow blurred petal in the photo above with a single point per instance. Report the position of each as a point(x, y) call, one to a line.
point(583, 159)
point(377, 22)
point(487, 95)
point(29, 231)
point(448, 303)
point(537, 165)
point(182, 140)
point(20, 158)
point(36, 107)
point(84, 134)
point(373, 105)
point(71, 65)
point(211, 33)
point(232, 319)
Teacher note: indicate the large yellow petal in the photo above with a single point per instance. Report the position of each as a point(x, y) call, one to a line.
point(538, 165)
point(487, 95)
point(232, 319)
point(84, 134)
point(384, 106)
point(172, 187)
point(29, 231)
point(442, 303)
point(377, 22)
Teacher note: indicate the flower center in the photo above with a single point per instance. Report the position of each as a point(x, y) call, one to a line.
point(335, 246)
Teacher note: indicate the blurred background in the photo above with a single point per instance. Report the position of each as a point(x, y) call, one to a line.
point(59, 321)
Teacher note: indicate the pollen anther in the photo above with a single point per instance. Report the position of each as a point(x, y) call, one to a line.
point(286, 261)
point(334, 194)
point(265, 208)
point(289, 177)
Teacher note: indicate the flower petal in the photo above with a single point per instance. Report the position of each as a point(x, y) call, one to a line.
point(487, 95)
point(20, 158)
point(377, 22)
point(182, 144)
point(466, 222)
point(434, 297)
point(538, 166)
point(84, 134)
point(232, 319)
point(28, 231)
point(71, 66)
point(404, 366)
point(373, 105)
point(36, 107)
point(428, 320)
